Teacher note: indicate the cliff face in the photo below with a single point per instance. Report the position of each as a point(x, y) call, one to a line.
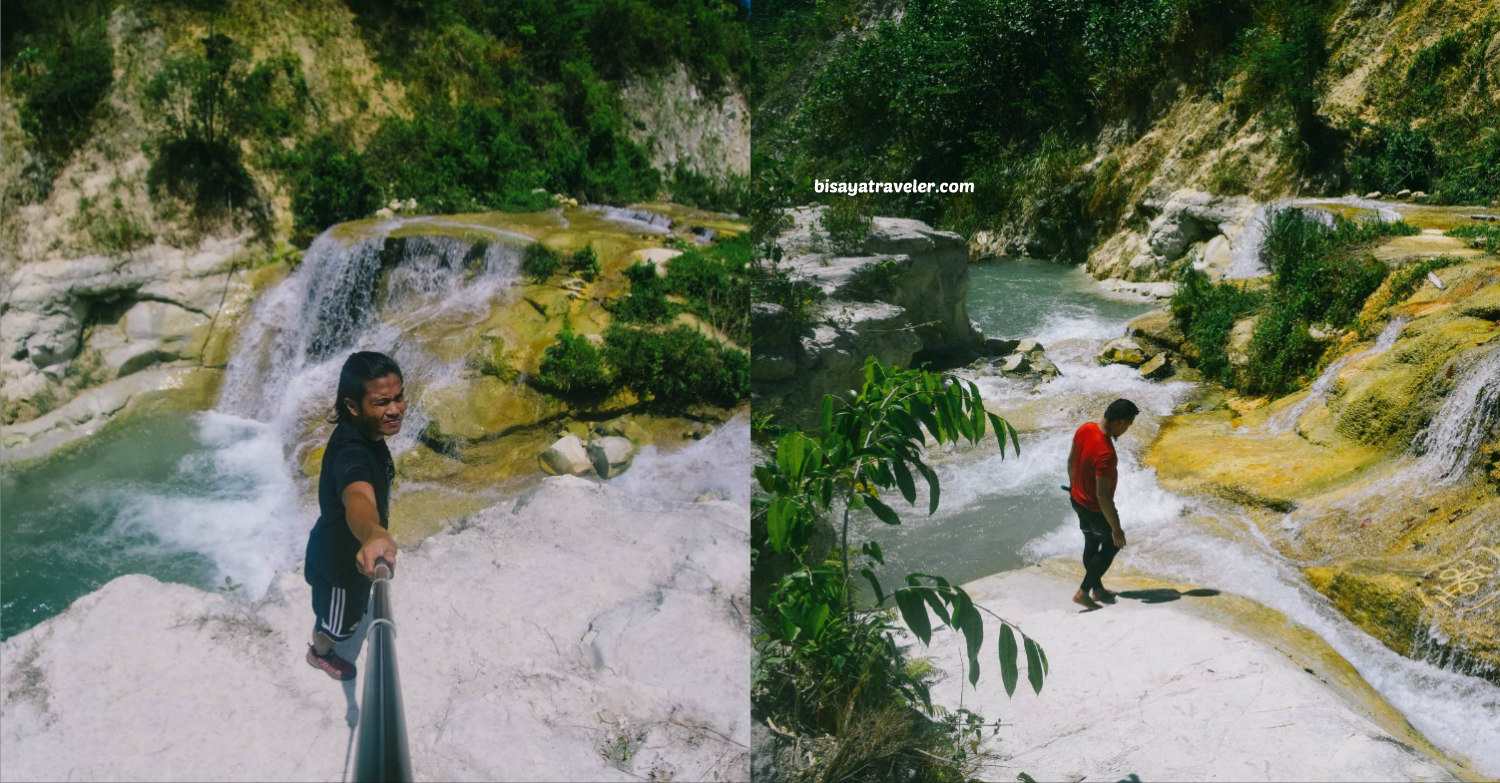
point(899, 295)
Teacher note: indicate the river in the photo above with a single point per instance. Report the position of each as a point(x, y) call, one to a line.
point(1001, 514)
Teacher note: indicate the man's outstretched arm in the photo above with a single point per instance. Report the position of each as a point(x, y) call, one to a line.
point(363, 517)
point(1106, 485)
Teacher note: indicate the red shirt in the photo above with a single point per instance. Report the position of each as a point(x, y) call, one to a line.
point(1093, 456)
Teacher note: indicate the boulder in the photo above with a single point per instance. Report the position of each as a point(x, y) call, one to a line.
point(1122, 350)
point(611, 455)
point(1239, 340)
point(995, 346)
point(1044, 366)
point(1419, 195)
point(1157, 331)
point(566, 457)
point(1016, 363)
point(1403, 193)
point(384, 212)
point(1374, 194)
point(1028, 346)
point(1156, 368)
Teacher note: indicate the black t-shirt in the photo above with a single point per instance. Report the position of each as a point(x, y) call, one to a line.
point(349, 457)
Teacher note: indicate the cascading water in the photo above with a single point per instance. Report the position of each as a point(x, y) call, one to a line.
point(211, 497)
point(1448, 445)
point(637, 219)
point(1283, 421)
point(999, 514)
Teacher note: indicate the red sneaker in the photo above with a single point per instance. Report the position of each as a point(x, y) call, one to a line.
point(331, 665)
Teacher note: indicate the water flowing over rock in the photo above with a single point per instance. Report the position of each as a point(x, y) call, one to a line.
point(1467, 417)
point(1284, 420)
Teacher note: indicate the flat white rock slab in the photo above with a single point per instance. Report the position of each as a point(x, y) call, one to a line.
point(1152, 691)
point(582, 633)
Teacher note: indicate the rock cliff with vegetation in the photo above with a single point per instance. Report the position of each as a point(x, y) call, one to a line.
point(164, 161)
point(1130, 135)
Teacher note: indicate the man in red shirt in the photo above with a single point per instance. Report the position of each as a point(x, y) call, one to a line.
point(1092, 473)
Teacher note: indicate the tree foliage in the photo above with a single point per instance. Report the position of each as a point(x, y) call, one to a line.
point(867, 449)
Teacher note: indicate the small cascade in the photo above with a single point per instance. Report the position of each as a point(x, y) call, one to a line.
point(635, 219)
point(364, 295)
point(1284, 420)
point(1448, 445)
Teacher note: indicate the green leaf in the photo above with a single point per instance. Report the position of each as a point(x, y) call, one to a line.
point(933, 494)
point(825, 419)
point(1014, 438)
point(790, 453)
point(1008, 659)
point(882, 511)
point(936, 602)
point(766, 477)
point(779, 522)
point(915, 614)
point(817, 619)
point(972, 624)
point(875, 584)
point(904, 424)
point(999, 426)
point(925, 415)
point(1033, 664)
point(872, 548)
point(1043, 655)
point(903, 480)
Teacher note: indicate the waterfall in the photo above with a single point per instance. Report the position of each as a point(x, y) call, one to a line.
point(635, 219)
point(1284, 420)
point(370, 294)
point(234, 498)
point(1448, 444)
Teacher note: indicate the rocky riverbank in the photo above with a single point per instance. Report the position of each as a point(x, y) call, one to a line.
point(1381, 478)
point(579, 632)
point(898, 293)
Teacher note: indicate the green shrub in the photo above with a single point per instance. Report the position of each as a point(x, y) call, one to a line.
point(845, 225)
point(647, 301)
point(1206, 311)
point(573, 370)
point(62, 81)
point(1480, 235)
point(208, 105)
point(330, 184)
point(678, 367)
point(539, 262)
point(1321, 277)
point(715, 281)
point(696, 190)
point(1389, 158)
point(585, 264)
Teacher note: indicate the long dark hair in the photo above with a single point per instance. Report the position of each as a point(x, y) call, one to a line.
point(361, 366)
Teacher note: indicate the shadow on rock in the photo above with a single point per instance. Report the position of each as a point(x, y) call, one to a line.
point(1162, 595)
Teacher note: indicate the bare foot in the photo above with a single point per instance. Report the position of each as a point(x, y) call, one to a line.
point(1102, 595)
point(1082, 599)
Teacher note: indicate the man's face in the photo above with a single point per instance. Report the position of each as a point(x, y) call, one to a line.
point(380, 413)
point(1116, 427)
